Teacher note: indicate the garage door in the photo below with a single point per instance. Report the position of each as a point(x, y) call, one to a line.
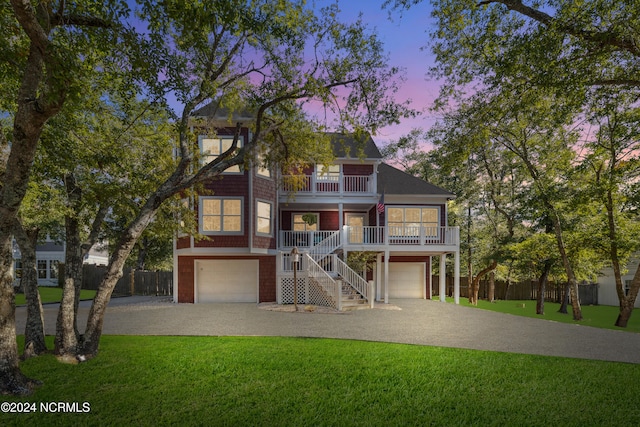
point(227, 280)
point(406, 280)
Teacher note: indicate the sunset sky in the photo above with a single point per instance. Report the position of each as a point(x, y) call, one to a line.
point(404, 37)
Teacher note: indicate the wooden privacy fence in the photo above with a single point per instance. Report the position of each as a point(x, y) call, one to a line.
point(132, 282)
point(525, 290)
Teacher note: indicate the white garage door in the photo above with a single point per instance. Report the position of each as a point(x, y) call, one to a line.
point(227, 280)
point(406, 280)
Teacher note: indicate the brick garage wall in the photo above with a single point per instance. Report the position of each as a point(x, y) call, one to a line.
point(185, 279)
point(266, 276)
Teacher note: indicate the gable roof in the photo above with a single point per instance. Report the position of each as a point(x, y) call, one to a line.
point(395, 181)
point(348, 146)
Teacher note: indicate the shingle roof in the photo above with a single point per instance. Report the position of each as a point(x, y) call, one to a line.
point(347, 145)
point(395, 181)
point(215, 111)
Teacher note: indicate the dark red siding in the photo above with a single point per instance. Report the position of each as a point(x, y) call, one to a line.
point(358, 169)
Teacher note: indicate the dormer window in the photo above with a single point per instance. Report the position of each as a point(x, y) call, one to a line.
point(211, 148)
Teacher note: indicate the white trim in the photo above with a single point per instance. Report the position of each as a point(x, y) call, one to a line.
point(221, 233)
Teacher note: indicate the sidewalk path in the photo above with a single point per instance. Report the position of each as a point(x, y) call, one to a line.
point(421, 322)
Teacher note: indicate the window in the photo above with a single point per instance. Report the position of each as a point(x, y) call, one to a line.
point(329, 173)
point(220, 215)
point(627, 287)
point(42, 269)
point(305, 222)
point(53, 269)
point(262, 168)
point(17, 269)
point(263, 218)
point(407, 221)
point(211, 148)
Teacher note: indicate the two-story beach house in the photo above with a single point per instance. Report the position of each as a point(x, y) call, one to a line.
point(254, 218)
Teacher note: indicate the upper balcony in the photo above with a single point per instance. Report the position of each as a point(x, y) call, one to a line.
point(352, 185)
point(395, 238)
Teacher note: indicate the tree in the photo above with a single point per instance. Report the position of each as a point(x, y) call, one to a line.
point(47, 50)
point(270, 59)
point(612, 166)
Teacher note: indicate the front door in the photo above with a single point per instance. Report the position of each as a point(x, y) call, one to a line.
point(355, 222)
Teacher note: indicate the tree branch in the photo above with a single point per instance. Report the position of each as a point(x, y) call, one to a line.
point(604, 38)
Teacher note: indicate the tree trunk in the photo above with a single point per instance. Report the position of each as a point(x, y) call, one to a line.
point(628, 302)
point(492, 286)
point(142, 254)
point(542, 287)
point(475, 283)
point(31, 115)
point(12, 381)
point(67, 335)
point(34, 343)
point(565, 299)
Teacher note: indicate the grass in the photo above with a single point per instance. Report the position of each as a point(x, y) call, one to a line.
point(599, 316)
point(54, 294)
point(274, 381)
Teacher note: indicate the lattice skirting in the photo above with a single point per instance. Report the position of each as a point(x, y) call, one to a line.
point(309, 292)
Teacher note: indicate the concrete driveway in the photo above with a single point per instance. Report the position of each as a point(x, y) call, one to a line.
point(421, 322)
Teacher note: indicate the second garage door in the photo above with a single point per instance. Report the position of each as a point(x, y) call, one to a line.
point(227, 280)
point(407, 280)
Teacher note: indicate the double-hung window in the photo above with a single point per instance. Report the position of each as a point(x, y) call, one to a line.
point(212, 147)
point(263, 218)
point(221, 215)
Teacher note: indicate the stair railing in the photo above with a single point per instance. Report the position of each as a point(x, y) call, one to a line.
point(353, 279)
point(330, 286)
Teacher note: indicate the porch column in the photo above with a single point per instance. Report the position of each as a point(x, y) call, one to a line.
point(340, 215)
point(378, 276)
point(386, 277)
point(443, 277)
point(456, 278)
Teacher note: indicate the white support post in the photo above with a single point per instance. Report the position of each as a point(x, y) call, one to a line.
point(443, 277)
point(378, 276)
point(386, 277)
point(372, 289)
point(456, 278)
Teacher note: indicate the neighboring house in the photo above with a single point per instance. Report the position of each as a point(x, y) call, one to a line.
point(48, 255)
point(607, 294)
point(253, 220)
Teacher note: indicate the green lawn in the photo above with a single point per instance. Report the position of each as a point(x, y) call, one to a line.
point(599, 316)
point(272, 381)
point(51, 294)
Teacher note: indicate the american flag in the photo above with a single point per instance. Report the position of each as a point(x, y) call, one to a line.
point(380, 206)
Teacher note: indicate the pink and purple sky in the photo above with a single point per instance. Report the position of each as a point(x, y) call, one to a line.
point(405, 36)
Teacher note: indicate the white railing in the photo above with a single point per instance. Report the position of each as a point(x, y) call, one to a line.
point(402, 235)
point(353, 279)
point(362, 184)
point(326, 246)
point(371, 235)
point(330, 286)
point(302, 239)
point(286, 264)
